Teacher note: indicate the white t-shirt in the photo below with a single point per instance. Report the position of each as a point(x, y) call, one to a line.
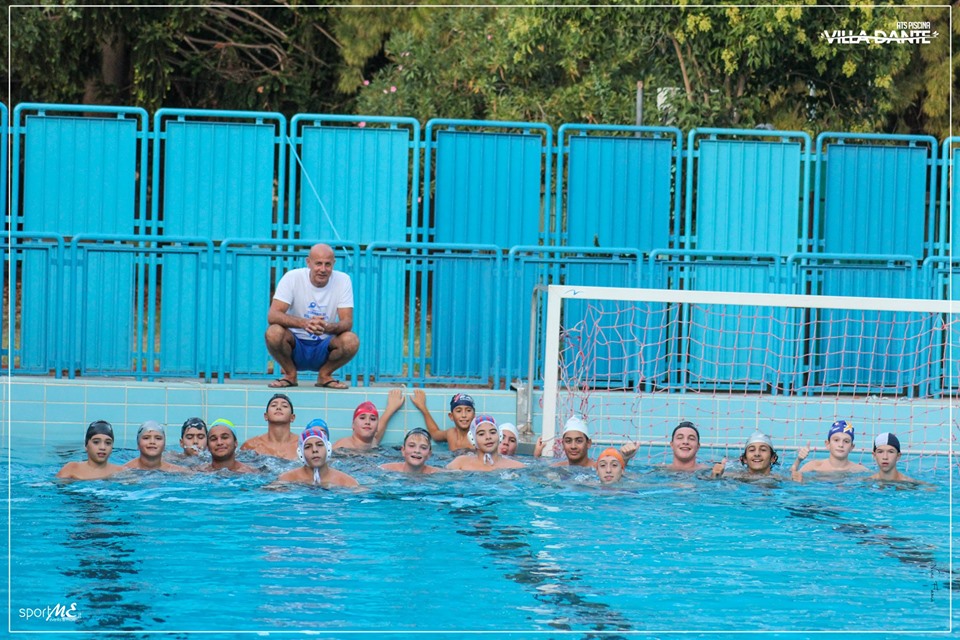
point(308, 301)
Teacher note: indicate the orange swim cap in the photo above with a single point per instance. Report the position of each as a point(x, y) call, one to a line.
point(613, 453)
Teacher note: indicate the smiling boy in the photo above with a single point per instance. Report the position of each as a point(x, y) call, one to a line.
point(839, 445)
point(223, 444)
point(485, 436)
point(369, 425)
point(99, 445)
point(416, 450)
point(462, 413)
point(685, 443)
point(151, 441)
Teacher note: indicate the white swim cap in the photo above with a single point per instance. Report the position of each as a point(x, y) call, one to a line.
point(576, 423)
point(512, 428)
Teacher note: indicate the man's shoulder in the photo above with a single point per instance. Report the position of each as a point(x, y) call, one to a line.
point(251, 442)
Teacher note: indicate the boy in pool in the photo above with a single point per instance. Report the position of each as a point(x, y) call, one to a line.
point(685, 443)
point(279, 440)
point(886, 453)
point(485, 436)
point(839, 445)
point(193, 436)
point(510, 437)
point(223, 444)
point(576, 445)
point(99, 445)
point(151, 441)
point(758, 457)
point(313, 448)
point(416, 450)
point(462, 413)
point(610, 466)
point(368, 425)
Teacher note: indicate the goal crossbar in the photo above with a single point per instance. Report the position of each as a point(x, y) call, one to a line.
point(556, 294)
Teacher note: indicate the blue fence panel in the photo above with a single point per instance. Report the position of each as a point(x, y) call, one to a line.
point(946, 241)
point(938, 274)
point(955, 199)
point(187, 317)
point(247, 279)
point(871, 190)
point(359, 183)
point(217, 173)
point(107, 292)
point(862, 351)
point(35, 265)
point(488, 186)
point(79, 174)
point(4, 133)
point(395, 335)
point(732, 347)
point(465, 285)
point(626, 348)
point(620, 190)
point(750, 189)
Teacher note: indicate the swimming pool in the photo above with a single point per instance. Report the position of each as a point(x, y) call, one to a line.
point(541, 550)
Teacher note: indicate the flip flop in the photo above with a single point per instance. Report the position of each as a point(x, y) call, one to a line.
point(281, 383)
point(332, 384)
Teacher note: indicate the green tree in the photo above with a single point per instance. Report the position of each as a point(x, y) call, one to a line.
point(215, 56)
point(715, 66)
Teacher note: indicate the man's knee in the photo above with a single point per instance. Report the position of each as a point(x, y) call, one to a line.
point(348, 342)
point(277, 335)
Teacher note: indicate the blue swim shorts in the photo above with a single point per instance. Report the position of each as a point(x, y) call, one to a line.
point(310, 355)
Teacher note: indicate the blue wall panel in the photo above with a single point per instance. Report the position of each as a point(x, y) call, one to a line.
point(188, 313)
point(80, 175)
point(748, 195)
point(219, 178)
point(355, 183)
point(488, 187)
point(875, 199)
point(105, 304)
point(840, 337)
point(619, 191)
point(4, 146)
point(465, 313)
point(385, 314)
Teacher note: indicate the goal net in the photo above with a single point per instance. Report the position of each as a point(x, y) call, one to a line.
point(636, 362)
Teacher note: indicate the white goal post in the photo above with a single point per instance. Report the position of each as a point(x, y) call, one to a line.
point(900, 348)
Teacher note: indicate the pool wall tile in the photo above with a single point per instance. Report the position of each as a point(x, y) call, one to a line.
point(54, 412)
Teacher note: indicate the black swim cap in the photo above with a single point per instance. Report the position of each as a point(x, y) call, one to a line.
point(282, 396)
point(418, 431)
point(685, 425)
point(98, 428)
point(193, 423)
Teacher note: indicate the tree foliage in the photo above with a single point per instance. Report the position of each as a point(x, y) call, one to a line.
point(213, 56)
point(700, 65)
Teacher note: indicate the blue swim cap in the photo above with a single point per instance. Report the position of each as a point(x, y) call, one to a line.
point(319, 423)
point(841, 426)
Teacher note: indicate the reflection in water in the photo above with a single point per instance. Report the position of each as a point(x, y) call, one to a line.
point(106, 566)
point(550, 584)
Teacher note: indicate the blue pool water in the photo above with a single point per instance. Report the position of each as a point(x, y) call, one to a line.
point(540, 550)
